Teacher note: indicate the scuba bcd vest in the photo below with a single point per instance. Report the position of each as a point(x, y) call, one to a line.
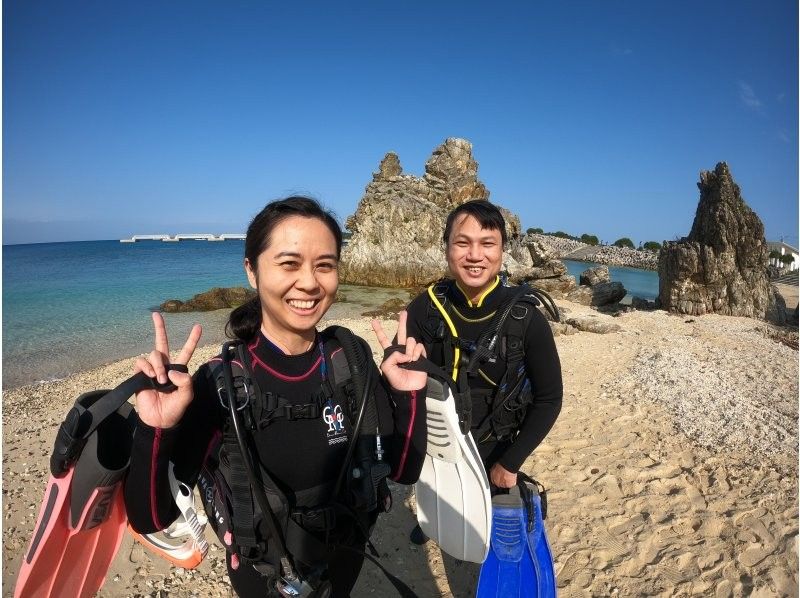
point(502, 339)
point(249, 512)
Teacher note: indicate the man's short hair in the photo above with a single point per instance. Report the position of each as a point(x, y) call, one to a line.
point(487, 214)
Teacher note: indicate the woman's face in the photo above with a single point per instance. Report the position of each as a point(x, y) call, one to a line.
point(296, 276)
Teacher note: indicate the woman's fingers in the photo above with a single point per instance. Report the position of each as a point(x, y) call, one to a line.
point(191, 344)
point(383, 340)
point(162, 344)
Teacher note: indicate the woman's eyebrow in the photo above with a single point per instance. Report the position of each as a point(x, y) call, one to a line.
point(326, 256)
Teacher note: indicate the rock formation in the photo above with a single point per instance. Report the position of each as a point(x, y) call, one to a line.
point(596, 275)
point(397, 228)
point(721, 267)
point(546, 272)
point(216, 298)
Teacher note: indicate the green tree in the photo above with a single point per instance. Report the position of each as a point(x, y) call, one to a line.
point(624, 242)
point(775, 255)
point(561, 234)
point(787, 259)
point(652, 245)
point(589, 239)
point(534, 231)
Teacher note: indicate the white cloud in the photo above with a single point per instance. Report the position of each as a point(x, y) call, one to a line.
point(617, 50)
point(748, 97)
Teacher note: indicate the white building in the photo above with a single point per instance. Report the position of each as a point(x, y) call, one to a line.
point(783, 249)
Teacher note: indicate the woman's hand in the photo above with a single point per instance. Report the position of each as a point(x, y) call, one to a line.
point(159, 409)
point(400, 378)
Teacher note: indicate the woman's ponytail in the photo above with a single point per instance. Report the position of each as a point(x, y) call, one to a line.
point(245, 321)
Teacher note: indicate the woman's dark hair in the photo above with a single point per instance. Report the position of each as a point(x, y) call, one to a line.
point(487, 214)
point(245, 321)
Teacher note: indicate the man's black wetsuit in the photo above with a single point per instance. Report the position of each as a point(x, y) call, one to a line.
point(299, 454)
point(541, 364)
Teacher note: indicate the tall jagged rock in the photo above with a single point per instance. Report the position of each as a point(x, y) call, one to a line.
point(397, 228)
point(721, 267)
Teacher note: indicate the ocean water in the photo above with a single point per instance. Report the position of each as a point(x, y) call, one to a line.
point(638, 283)
point(72, 306)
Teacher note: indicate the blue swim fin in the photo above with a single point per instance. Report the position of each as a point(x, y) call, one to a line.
point(520, 563)
point(538, 545)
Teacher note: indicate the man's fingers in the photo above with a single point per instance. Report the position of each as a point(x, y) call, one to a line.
point(410, 344)
point(419, 351)
point(179, 379)
point(142, 365)
point(380, 334)
point(401, 327)
point(156, 360)
point(162, 344)
point(190, 345)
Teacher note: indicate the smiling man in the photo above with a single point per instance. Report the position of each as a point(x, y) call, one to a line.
point(450, 317)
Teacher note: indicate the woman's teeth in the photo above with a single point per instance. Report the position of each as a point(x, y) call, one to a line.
point(302, 304)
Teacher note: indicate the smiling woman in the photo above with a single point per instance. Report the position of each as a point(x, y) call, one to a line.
point(294, 273)
point(276, 420)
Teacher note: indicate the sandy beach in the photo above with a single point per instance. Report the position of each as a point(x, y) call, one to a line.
point(672, 470)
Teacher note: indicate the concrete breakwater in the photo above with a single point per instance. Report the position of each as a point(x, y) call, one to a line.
point(185, 237)
point(600, 254)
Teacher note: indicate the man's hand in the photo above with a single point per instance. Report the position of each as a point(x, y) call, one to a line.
point(501, 477)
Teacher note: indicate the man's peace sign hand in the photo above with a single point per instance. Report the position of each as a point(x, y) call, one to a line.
point(160, 409)
point(400, 378)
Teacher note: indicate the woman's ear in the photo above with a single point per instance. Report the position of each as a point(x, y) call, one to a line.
point(251, 275)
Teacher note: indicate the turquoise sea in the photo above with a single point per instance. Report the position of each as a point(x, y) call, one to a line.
point(638, 283)
point(68, 307)
point(72, 306)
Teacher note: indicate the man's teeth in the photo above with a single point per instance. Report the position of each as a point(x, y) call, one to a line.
point(475, 270)
point(302, 304)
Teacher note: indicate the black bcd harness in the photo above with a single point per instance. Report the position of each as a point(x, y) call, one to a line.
point(249, 511)
point(501, 340)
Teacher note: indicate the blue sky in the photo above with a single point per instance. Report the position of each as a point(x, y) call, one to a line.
point(589, 117)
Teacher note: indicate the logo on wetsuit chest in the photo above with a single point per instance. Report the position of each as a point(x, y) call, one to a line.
point(334, 417)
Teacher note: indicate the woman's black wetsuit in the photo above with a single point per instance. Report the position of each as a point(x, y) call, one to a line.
point(542, 367)
point(300, 454)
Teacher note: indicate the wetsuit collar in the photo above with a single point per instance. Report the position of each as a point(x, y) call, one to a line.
point(483, 296)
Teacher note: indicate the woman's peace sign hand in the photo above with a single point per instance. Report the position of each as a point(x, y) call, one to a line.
point(400, 378)
point(160, 409)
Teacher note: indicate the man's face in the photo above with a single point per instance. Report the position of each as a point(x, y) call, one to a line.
point(474, 254)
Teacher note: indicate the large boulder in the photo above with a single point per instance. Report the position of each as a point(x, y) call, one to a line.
point(398, 224)
point(547, 273)
point(721, 267)
point(606, 293)
point(593, 276)
point(216, 298)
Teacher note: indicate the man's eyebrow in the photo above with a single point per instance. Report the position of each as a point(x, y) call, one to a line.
point(468, 238)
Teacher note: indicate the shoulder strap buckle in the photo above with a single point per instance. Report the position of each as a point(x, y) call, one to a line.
point(241, 390)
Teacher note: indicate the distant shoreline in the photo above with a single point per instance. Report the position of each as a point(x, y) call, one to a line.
point(609, 255)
